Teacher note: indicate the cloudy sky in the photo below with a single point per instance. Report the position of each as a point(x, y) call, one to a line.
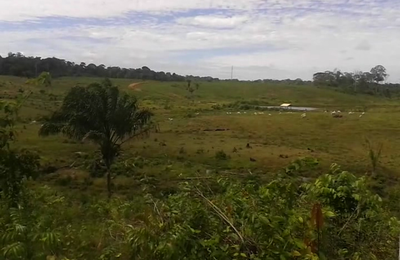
point(260, 38)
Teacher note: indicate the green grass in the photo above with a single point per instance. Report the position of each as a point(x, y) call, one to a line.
point(183, 148)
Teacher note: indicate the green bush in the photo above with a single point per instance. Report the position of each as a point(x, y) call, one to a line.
point(244, 220)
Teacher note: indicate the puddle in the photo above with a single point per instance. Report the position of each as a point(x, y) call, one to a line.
point(291, 108)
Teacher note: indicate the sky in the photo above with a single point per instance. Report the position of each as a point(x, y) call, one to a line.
point(261, 39)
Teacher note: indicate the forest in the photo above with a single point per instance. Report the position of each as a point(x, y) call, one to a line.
point(16, 64)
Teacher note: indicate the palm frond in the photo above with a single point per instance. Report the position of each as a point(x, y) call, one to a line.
point(50, 128)
point(94, 136)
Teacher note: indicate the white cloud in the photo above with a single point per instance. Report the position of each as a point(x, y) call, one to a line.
point(19, 10)
point(261, 38)
point(213, 21)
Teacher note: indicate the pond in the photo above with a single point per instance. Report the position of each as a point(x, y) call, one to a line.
point(291, 108)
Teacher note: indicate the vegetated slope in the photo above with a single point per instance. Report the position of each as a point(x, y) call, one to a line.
point(226, 91)
point(276, 140)
point(192, 192)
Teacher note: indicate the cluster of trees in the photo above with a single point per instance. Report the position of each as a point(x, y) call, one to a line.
point(16, 64)
point(371, 82)
point(297, 81)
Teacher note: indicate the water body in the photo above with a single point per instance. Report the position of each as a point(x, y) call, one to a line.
point(291, 108)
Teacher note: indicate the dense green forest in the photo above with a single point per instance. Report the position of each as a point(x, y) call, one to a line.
point(16, 64)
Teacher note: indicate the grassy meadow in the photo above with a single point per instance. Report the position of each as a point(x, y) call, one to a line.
point(182, 149)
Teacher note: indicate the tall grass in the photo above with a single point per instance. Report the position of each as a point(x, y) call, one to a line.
point(374, 154)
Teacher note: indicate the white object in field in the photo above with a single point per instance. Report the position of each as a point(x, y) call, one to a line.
point(333, 112)
point(363, 113)
point(244, 112)
point(238, 113)
point(360, 116)
point(269, 114)
point(303, 115)
point(339, 111)
point(255, 113)
point(170, 119)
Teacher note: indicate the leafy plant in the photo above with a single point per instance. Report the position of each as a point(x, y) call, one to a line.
point(356, 217)
point(44, 79)
point(15, 165)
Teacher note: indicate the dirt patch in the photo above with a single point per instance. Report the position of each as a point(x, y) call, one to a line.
point(136, 86)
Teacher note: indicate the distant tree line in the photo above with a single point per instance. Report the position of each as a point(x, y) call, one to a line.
point(16, 64)
point(371, 82)
point(297, 81)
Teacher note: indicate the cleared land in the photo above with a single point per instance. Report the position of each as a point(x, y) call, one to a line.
point(184, 149)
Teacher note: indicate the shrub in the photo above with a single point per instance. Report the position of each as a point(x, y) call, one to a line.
point(333, 217)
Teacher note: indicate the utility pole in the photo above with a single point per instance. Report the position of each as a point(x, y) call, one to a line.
point(232, 73)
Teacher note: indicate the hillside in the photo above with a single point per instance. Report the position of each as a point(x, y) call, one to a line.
point(273, 135)
point(218, 172)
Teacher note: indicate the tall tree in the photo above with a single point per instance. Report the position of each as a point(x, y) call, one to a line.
point(379, 73)
point(101, 114)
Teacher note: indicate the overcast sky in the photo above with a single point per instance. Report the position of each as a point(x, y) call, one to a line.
point(260, 38)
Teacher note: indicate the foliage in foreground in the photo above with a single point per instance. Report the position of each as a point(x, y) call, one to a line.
point(229, 220)
point(15, 165)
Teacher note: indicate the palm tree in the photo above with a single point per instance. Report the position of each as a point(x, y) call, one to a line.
point(101, 114)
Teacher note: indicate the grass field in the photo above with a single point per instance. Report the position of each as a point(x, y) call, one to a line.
point(183, 149)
